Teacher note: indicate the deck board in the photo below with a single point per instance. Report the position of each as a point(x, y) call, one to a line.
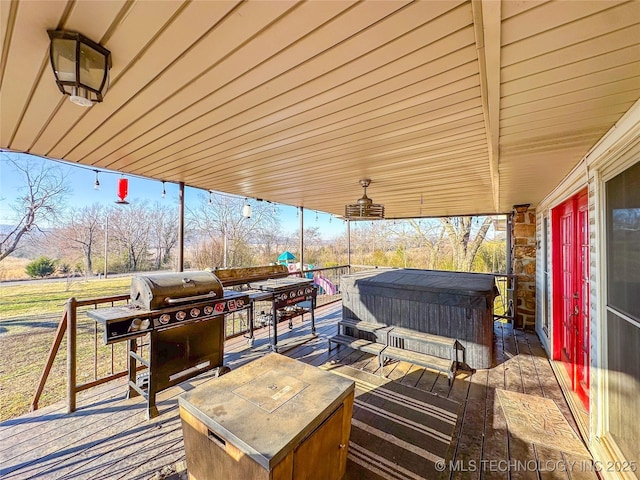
point(108, 436)
point(495, 426)
point(530, 380)
point(469, 449)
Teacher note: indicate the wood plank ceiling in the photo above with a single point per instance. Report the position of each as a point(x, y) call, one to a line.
point(449, 107)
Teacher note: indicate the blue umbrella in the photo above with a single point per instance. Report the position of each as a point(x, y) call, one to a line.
point(286, 256)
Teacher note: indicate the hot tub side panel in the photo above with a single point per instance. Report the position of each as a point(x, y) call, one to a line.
point(467, 318)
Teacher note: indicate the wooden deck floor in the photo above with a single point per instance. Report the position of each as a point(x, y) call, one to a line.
point(502, 411)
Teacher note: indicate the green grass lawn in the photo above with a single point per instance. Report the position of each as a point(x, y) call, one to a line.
point(29, 316)
point(35, 298)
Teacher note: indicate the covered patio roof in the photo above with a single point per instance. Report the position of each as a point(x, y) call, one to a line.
point(449, 107)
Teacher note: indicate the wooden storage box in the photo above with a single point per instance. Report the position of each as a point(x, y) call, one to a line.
point(450, 304)
point(274, 418)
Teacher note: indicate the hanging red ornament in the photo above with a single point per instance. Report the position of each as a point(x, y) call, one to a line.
point(123, 190)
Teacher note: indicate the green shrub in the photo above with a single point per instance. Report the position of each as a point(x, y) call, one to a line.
point(41, 267)
point(64, 268)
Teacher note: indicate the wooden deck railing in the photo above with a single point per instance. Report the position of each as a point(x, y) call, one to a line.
point(235, 325)
point(68, 324)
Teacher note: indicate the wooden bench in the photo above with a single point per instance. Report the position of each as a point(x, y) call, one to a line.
point(359, 344)
point(394, 343)
point(428, 361)
point(398, 349)
point(398, 337)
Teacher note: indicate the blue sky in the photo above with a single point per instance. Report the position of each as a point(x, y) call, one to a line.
point(82, 179)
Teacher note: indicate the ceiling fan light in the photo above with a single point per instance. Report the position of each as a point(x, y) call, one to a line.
point(364, 208)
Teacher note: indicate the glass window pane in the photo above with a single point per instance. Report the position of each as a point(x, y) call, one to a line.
point(64, 59)
point(92, 65)
point(623, 242)
point(623, 387)
point(623, 295)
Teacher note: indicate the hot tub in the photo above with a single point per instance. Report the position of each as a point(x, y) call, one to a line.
point(451, 304)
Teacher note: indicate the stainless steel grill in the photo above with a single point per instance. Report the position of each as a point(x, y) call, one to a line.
point(164, 290)
point(183, 314)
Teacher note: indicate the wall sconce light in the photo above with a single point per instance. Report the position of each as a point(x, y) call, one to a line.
point(522, 208)
point(246, 210)
point(81, 67)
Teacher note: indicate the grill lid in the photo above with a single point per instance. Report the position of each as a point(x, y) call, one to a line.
point(162, 290)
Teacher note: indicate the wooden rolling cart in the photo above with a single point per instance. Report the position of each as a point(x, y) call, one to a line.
point(274, 418)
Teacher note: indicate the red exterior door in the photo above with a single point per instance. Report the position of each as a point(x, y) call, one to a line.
point(571, 295)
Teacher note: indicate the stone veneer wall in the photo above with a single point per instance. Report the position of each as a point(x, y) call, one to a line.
point(523, 257)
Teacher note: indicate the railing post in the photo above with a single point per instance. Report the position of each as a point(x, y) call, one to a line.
point(62, 327)
point(349, 246)
point(71, 308)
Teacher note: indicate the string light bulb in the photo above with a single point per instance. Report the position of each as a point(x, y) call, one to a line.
point(316, 216)
point(210, 199)
point(246, 209)
point(164, 191)
point(96, 185)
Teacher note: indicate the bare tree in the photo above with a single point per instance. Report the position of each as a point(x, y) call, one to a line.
point(312, 244)
point(80, 232)
point(459, 231)
point(42, 193)
point(269, 240)
point(430, 235)
point(225, 236)
point(370, 241)
point(405, 240)
point(163, 221)
point(129, 227)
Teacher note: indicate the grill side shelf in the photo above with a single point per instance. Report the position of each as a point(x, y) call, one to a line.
point(125, 322)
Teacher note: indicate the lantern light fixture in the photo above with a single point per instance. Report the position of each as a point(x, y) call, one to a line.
point(96, 185)
point(80, 66)
point(364, 208)
point(164, 191)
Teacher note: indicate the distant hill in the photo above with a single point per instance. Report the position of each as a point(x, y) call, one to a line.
point(32, 247)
